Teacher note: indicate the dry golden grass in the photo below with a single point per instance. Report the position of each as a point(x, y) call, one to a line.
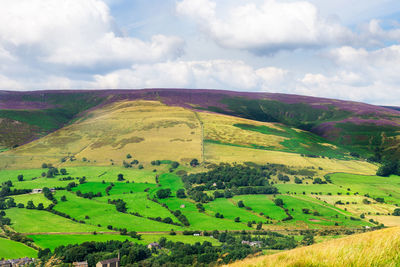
point(387, 220)
point(358, 208)
point(220, 128)
point(379, 248)
point(148, 130)
point(225, 153)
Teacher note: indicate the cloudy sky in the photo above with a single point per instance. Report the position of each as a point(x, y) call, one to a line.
point(346, 49)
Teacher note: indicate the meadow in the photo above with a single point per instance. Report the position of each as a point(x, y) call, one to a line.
point(36, 221)
point(96, 212)
point(13, 250)
point(53, 241)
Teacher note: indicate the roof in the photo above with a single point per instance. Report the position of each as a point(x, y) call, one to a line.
point(109, 261)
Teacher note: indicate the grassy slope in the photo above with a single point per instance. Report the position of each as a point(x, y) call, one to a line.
point(13, 250)
point(106, 214)
point(35, 221)
point(53, 241)
point(104, 136)
point(379, 248)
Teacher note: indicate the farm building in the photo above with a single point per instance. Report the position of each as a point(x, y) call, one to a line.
point(108, 263)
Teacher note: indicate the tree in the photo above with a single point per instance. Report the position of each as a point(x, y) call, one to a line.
point(396, 212)
point(181, 193)
point(128, 156)
point(163, 193)
point(240, 204)
point(194, 162)
point(278, 202)
point(40, 206)
point(297, 180)
point(20, 177)
point(259, 226)
point(388, 168)
point(63, 171)
point(64, 198)
point(30, 205)
point(121, 177)
point(237, 219)
point(175, 164)
point(44, 165)
point(308, 239)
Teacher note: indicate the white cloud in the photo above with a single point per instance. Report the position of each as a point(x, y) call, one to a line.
point(361, 75)
point(265, 28)
point(224, 74)
point(9, 84)
point(77, 33)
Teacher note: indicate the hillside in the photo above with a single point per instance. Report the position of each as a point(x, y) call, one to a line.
point(105, 135)
point(379, 248)
point(366, 129)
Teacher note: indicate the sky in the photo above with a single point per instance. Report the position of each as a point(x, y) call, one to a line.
point(344, 49)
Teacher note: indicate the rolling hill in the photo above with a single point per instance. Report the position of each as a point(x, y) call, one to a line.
point(171, 164)
point(366, 129)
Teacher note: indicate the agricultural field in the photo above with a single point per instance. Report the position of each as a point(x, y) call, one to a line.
point(36, 221)
point(95, 212)
point(53, 241)
point(12, 250)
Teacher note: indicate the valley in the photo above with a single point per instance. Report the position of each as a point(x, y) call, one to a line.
point(140, 168)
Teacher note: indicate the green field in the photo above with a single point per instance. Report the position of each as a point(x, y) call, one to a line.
point(329, 215)
point(53, 241)
point(201, 221)
point(36, 198)
point(13, 250)
point(262, 203)
point(138, 202)
point(92, 174)
point(230, 210)
point(36, 221)
point(376, 186)
point(105, 214)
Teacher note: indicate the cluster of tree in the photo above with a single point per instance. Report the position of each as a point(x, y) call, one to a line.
point(70, 186)
point(389, 167)
point(120, 204)
point(171, 254)
point(396, 212)
point(163, 193)
point(88, 195)
point(319, 181)
point(180, 193)
point(228, 176)
point(3, 219)
point(49, 195)
point(130, 164)
point(181, 217)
